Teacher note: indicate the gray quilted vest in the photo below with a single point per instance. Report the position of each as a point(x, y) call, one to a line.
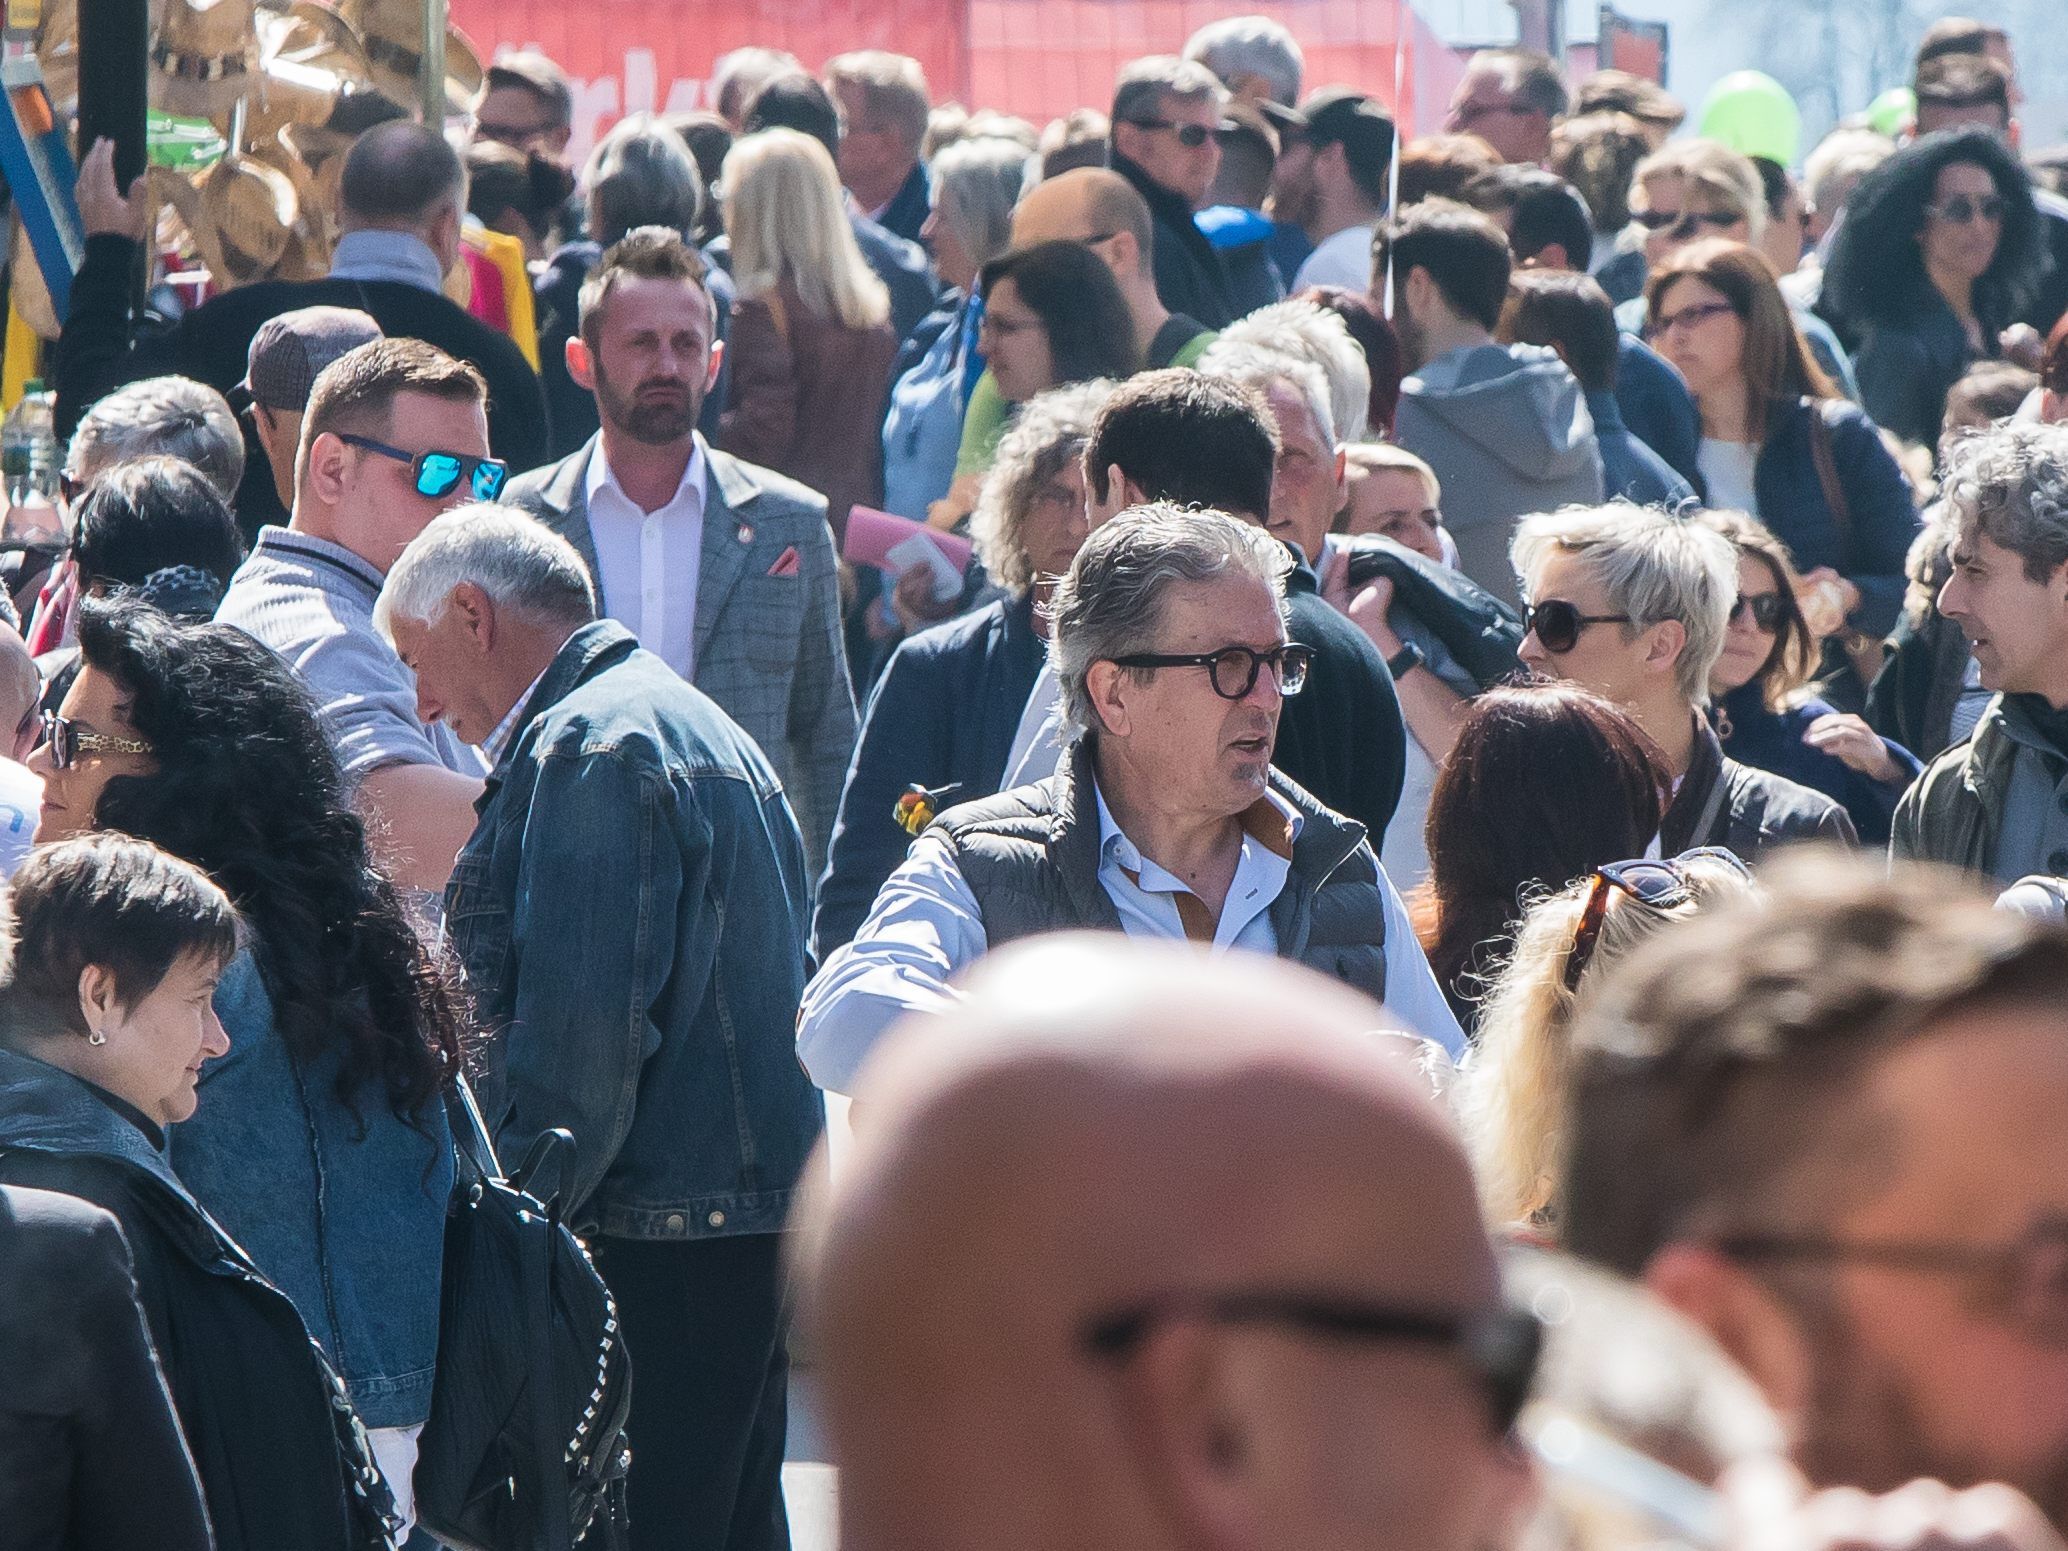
point(1031, 858)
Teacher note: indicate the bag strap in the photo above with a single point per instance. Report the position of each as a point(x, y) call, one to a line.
point(548, 1450)
point(1827, 474)
point(470, 1138)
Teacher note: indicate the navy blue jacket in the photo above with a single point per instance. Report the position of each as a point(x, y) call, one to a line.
point(1629, 468)
point(1869, 548)
point(1190, 277)
point(1772, 741)
point(943, 714)
point(909, 206)
point(1906, 366)
point(1657, 408)
point(630, 912)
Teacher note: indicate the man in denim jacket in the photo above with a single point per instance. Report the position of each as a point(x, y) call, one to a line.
point(631, 913)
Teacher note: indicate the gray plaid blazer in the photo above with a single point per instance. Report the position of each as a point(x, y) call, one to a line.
point(768, 647)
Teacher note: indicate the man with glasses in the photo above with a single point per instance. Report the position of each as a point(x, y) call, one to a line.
point(1505, 427)
point(1825, 1124)
point(1633, 603)
point(722, 569)
point(1144, 1251)
point(395, 433)
point(1510, 98)
point(1167, 118)
point(1164, 819)
point(527, 104)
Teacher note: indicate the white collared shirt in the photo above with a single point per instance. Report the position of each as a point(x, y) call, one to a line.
point(647, 563)
point(926, 927)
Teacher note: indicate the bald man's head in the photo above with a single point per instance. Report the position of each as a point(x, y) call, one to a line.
point(1110, 1129)
point(20, 687)
point(1090, 203)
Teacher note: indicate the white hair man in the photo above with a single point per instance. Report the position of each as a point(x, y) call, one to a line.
point(630, 913)
point(1164, 818)
point(1632, 603)
point(1994, 802)
point(1254, 56)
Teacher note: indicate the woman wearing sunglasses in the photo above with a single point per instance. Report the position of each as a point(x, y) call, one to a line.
point(1544, 783)
point(1510, 1092)
point(1778, 441)
point(1939, 253)
point(321, 1142)
point(1764, 713)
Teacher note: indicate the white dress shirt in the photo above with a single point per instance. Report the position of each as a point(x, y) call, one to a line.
point(1036, 745)
point(647, 563)
point(926, 927)
point(1342, 258)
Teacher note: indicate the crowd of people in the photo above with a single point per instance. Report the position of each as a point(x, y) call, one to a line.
point(1590, 599)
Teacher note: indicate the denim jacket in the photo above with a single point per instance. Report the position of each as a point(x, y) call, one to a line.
point(345, 1213)
point(631, 912)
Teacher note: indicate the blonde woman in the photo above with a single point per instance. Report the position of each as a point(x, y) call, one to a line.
point(1510, 1093)
point(811, 344)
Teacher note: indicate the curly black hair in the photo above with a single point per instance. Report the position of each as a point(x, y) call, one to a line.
point(1876, 271)
point(248, 789)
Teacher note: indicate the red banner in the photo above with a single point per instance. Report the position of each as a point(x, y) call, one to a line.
point(1035, 58)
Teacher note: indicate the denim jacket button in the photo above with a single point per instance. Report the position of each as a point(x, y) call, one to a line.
point(716, 1219)
point(674, 1224)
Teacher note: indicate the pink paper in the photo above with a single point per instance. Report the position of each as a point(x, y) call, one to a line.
point(872, 535)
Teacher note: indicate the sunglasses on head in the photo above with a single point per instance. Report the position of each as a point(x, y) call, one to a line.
point(1500, 1347)
point(1769, 610)
point(1960, 209)
point(1190, 136)
point(1558, 623)
point(1657, 885)
point(438, 474)
point(1663, 220)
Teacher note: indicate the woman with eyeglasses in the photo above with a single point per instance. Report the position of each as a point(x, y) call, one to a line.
point(1939, 253)
point(1779, 443)
point(1053, 314)
point(1510, 1091)
point(1545, 782)
point(321, 1143)
point(107, 1036)
point(1760, 702)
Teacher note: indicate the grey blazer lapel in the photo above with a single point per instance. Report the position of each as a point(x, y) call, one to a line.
point(731, 492)
point(565, 500)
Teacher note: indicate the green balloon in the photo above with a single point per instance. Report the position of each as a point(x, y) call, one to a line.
point(1752, 113)
point(1891, 112)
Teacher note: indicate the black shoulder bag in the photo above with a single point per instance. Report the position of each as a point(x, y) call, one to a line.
point(524, 1449)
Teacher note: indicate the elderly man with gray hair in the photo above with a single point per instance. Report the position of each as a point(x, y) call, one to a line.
point(1164, 819)
point(630, 914)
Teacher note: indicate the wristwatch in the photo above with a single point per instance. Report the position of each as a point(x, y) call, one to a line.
point(1406, 660)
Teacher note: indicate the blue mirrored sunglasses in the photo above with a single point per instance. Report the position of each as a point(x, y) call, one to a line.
point(438, 474)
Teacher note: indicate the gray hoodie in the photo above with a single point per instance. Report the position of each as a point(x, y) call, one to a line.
point(1507, 431)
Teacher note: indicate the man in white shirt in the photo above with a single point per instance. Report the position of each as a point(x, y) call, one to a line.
point(722, 569)
point(1331, 183)
point(1164, 820)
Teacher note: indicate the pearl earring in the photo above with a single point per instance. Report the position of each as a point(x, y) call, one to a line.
point(97, 1037)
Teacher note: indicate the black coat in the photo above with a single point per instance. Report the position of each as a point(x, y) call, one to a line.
point(1341, 737)
point(91, 1455)
point(282, 1460)
point(1752, 814)
point(102, 348)
point(1190, 277)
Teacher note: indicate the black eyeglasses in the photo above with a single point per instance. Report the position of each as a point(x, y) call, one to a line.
point(2028, 1276)
point(1558, 623)
point(67, 742)
point(1769, 610)
point(1234, 669)
point(1663, 220)
point(1190, 136)
point(1500, 1346)
point(1657, 885)
point(1687, 317)
point(438, 474)
point(1961, 209)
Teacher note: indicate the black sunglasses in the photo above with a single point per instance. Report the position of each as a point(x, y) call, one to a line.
point(1657, 885)
point(67, 742)
point(1661, 220)
point(1191, 136)
point(1769, 610)
point(1235, 668)
point(1558, 623)
point(1500, 1346)
point(1960, 209)
point(438, 474)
